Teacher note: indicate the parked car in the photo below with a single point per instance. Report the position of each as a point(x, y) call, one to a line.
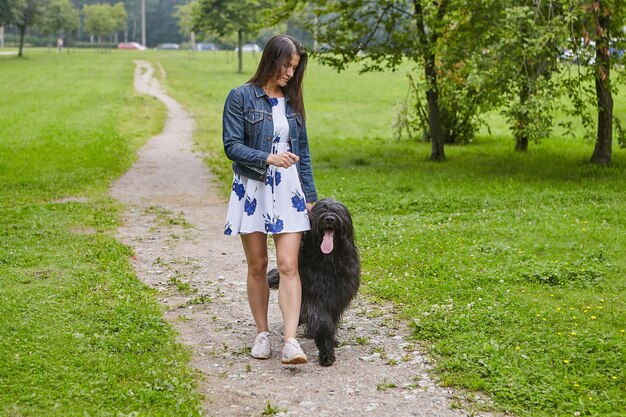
point(204, 46)
point(168, 46)
point(131, 45)
point(250, 47)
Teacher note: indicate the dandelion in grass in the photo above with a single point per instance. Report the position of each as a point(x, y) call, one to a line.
point(572, 334)
point(565, 361)
point(593, 317)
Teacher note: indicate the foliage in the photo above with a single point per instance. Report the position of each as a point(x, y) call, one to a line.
point(10, 10)
point(596, 38)
point(522, 63)
point(225, 17)
point(184, 16)
point(104, 19)
point(440, 37)
point(59, 15)
point(23, 13)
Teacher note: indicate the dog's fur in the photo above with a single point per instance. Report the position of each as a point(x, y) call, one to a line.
point(329, 281)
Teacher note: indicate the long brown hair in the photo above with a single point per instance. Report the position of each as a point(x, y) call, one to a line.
point(278, 52)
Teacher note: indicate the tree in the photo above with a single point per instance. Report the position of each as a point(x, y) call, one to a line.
point(440, 37)
point(223, 17)
point(184, 15)
point(522, 64)
point(59, 16)
point(602, 25)
point(119, 16)
point(10, 10)
point(104, 19)
point(24, 13)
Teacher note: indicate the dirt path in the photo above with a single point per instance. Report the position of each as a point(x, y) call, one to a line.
point(174, 223)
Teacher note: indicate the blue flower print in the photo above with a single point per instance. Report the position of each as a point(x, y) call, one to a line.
point(297, 202)
point(273, 101)
point(272, 180)
point(227, 229)
point(250, 206)
point(274, 225)
point(238, 189)
point(276, 138)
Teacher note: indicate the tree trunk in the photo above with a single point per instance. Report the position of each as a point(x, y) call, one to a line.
point(521, 143)
point(240, 51)
point(521, 137)
point(432, 92)
point(22, 29)
point(602, 152)
point(434, 114)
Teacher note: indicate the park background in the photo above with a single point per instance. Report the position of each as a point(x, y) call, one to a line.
point(510, 266)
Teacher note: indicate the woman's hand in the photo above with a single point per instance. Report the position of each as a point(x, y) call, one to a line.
point(283, 159)
point(309, 207)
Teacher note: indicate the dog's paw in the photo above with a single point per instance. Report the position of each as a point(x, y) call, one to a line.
point(327, 360)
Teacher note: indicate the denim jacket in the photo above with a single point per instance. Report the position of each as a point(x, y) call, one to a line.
point(248, 130)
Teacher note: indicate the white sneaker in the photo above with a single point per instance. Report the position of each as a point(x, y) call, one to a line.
point(261, 348)
point(292, 353)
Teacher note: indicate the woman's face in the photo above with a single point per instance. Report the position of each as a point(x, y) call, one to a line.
point(287, 70)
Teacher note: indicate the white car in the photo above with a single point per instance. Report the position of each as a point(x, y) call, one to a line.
point(250, 47)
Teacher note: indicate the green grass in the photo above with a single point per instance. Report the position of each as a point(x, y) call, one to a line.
point(511, 268)
point(79, 334)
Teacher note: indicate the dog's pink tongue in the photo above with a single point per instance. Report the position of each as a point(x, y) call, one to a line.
point(327, 241)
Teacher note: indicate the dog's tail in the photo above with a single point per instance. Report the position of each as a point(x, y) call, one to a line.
point(273, 278)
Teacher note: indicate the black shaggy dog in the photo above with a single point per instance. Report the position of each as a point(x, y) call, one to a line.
point(330, 273)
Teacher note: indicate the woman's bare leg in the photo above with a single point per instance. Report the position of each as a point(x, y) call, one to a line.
point(255, 247)
point(290, 289)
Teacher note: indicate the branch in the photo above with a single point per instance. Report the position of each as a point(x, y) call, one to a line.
point(376, 26)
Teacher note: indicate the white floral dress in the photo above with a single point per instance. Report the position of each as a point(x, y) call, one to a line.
point(276, 205)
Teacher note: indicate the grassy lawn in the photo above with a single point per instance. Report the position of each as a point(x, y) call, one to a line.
point(510, 268)
point(79, 334)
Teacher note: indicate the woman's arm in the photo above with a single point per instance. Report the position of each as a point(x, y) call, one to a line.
point(306, 169)
point(233, 133)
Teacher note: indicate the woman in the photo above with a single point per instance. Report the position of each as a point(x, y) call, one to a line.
point(265, 136)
